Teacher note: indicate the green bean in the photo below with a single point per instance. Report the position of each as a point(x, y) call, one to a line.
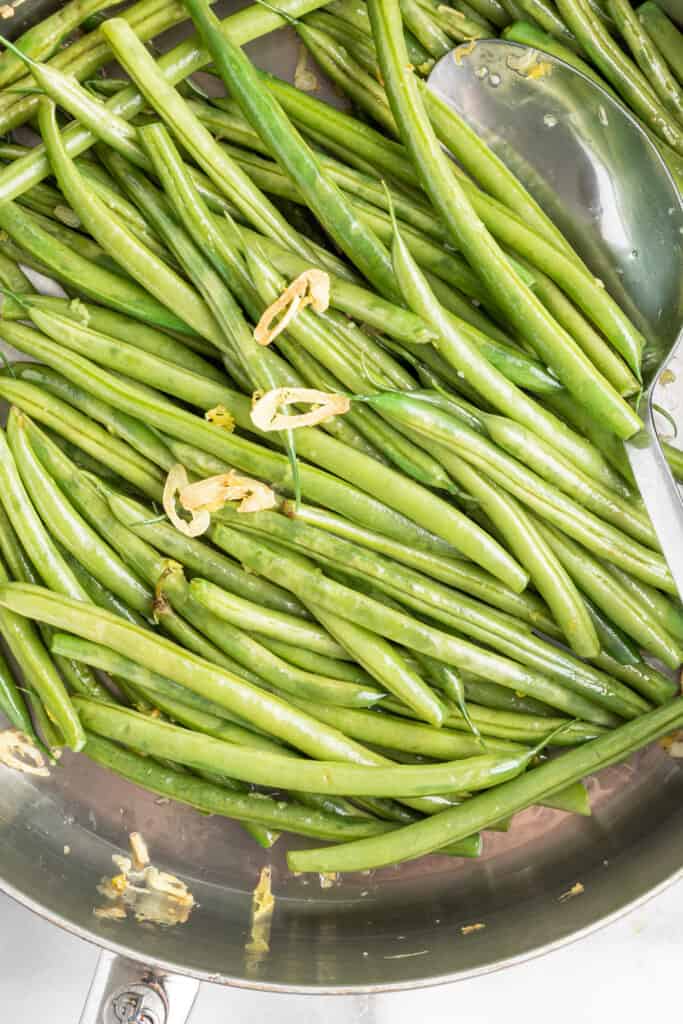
point(146, 451)
point(118, 665)
point(642, 678)
point(665, 610)
point(664, 34)
point(490, 695)
point(78, 678)
point(67, 526)
point(246, 649)
point(459, 574)
point(523, 728)
point(539, 456)
point(201, 558)
point(318, 486)
point(614, 600)
point(385, 664)
point(620, 71)
point(154, 737)
point(513, 523)
point(430, 35)
point(575, 520)
point(12, 703)
point(299, 575)
point(213, 799)
point(647, 55)
point(157, 278)
point(36, 666)
point(674, 457)
point(358, 43)
point(356, 14)
point(99, 594)
point(43, 39)
point(456, 348)
point(84, 56)
point(543, 14)
point(504, 633)
point(455, 22)
point(276, 624)
point(317, 662)
point(381, 728)
point(428, 835)
point(79, 273)
point(175, 65)
point(48, 409)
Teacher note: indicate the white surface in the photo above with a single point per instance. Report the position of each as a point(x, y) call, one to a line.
point(629, 972)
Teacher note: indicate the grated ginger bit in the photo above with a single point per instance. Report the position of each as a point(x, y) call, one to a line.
point(667, 377)
point(6, 11)
point(220, 417)
point(310, 288)
point(544, 67)
point(18, 752)
point(138, 848)
point(463, 51)
point(328, 879)
point(264, 414)
point(110, 913)
point(468, 929)
point(576, 890)
point(262, 907)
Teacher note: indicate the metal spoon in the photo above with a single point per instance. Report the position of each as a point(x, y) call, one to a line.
point(597, 175)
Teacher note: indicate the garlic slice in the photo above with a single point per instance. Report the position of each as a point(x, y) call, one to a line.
point(310, 288)
point(19, 753)
point(176, 481)
point(211, 494)
point(265, 415)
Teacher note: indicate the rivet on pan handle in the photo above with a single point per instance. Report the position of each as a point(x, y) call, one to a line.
point(126, 992)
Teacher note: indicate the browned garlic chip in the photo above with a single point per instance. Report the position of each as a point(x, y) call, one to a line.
point(265, 415)
point(310, 288)
point(18, 752)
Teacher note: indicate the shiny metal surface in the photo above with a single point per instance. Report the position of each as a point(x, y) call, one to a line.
point(589, 165)
point(125, 992)
point(390, 929)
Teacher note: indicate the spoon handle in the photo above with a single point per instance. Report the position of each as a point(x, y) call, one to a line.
point(659, 492)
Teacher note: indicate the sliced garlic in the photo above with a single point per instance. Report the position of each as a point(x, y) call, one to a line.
point(19, 753)
point(212, 494)
point(310, 288)
point(265, 415)
point(176, 481)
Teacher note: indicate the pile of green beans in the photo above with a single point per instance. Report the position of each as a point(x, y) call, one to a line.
point(443, 615)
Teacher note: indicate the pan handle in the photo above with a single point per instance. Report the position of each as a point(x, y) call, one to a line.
point(127, 992)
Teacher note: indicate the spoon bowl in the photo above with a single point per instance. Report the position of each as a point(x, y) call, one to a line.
point(589, 165)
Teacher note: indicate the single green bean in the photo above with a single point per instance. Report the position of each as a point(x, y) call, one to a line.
point(665, 35)
point(425, 836)
point(214, 799)
point(12, 702)
point(154, 737)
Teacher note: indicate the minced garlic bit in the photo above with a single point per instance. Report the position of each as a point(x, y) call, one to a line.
point(265, 415)
point(212, 494)
point(220, 417)
point(310, 288)
point(539, 70)
point(150, 894)
point(176, 481)
point(575, 890)
point(304, 78)
point(80, 310)
point(462, 51)
point(328, 878)
point(18, 752)
point(262, 907)
point(138, 848)
point(468, 929)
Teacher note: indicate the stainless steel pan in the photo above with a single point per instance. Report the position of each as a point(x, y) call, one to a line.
point(390, 929)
